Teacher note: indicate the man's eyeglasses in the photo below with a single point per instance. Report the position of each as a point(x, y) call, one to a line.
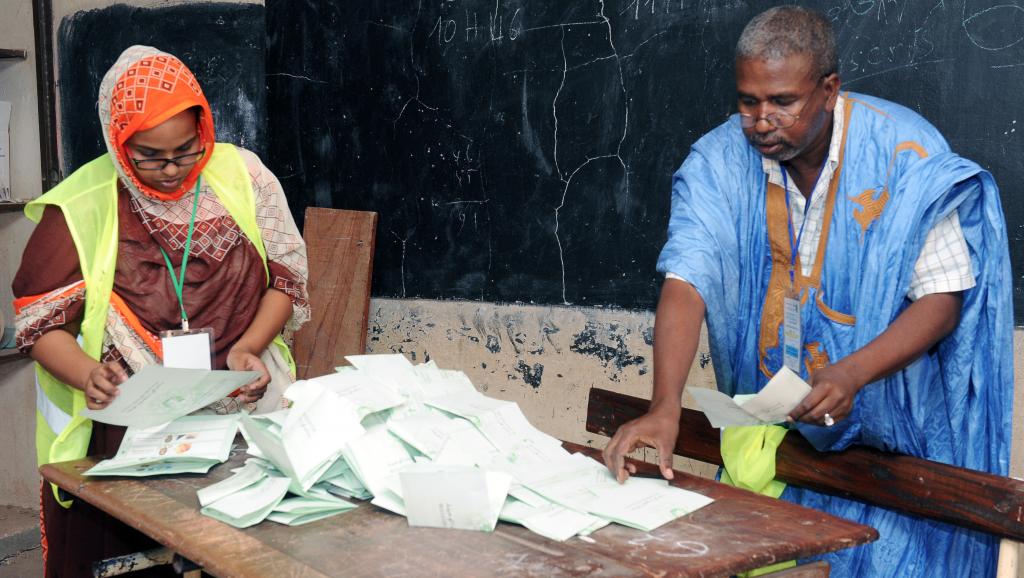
point(779, 118)
point(178, 161)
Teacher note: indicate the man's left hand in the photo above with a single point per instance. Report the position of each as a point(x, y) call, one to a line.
point(833, 389)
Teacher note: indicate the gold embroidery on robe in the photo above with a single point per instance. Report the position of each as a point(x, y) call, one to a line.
point(816, 358)
point(871, 208)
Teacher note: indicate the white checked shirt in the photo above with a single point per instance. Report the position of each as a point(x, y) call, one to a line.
point(943, 265)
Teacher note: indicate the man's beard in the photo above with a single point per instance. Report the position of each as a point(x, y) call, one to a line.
point(787, 153)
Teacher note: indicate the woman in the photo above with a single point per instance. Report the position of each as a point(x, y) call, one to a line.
point(167, 231)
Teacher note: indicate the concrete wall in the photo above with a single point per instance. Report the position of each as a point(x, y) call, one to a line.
point(547, 358)
point(19, 484)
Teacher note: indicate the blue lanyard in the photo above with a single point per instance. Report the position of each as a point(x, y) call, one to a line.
point(795, 242)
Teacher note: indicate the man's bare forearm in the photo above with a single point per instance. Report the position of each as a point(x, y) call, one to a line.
point(676, 336)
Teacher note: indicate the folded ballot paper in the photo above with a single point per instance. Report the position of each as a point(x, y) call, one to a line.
point(769, 406)
point(189, 444)
point(459, 497)
point(423, 443)
point(256, 492)
point(156, 394)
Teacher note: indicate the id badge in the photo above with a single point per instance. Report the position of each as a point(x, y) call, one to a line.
point(791, 331)
point(188, 348)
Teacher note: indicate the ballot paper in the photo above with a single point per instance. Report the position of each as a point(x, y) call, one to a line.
point(501, 422)
point(459, 497)
point(250, 505)
point(315, 431)
point(468, 447)
point(394, 370)
point(346, 484)
point(248, 475)
point(435, 381)
point(421, 442)
point(296, 511)
point(376, 458)
point(644, 504)
point(189, 444)
point(156, 394)
point(769, 406)
point(366, 394)
point(427, 431)
point(584, 485)
point(549, 520)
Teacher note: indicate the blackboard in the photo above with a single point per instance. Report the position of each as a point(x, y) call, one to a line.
point(521, 151)
point(222, 43)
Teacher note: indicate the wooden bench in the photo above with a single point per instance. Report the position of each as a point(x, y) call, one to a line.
point(967, 498)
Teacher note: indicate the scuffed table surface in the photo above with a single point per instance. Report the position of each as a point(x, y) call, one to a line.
point(739, 531)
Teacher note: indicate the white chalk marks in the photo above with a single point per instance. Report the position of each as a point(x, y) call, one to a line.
point(995, 28)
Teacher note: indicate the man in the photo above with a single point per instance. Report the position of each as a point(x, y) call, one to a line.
point(835, 233)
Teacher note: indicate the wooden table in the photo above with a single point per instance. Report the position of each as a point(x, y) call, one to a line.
point(739, 531)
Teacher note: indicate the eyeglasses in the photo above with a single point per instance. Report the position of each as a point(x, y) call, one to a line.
point(779, 118)
point(178, 161)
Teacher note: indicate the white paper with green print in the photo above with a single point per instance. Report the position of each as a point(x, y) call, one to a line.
point(643, 503)
point(549, 520)
point(156, 395)
point(502, 422)
point(296, 511)
point(249, 506)
point(359, 388)
point(769, 406)
point(246, 476)
point(459, 497)
point(189, 444)
point(313, 435)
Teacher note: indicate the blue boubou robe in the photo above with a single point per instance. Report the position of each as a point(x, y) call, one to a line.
point(729, 237)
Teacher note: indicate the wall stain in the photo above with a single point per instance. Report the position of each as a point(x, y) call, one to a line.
point(705, 359)
point(648, 335)
point(586, 343)
point(511, 328)
point(549, 328)
point(531, 375)
point(493, 345)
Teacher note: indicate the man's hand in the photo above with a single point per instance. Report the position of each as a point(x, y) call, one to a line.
point(101, 385)
point(914, 332)
point(243, 360)
point(833, 390)
point(655, 430)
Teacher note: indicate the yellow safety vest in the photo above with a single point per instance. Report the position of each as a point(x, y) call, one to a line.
point(748, 458)
point(88, 199)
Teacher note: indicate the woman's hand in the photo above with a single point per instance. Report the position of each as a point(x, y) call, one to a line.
point(240, 359)
point(101, 384)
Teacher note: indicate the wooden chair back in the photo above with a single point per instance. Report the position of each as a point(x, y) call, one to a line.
point(339, 247)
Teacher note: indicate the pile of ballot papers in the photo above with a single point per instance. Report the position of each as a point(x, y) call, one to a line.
point(423, 443)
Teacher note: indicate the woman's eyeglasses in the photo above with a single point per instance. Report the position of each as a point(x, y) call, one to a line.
point(178, 161)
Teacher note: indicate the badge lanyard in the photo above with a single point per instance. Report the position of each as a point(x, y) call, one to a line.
point(179, 281)
point(792, 328)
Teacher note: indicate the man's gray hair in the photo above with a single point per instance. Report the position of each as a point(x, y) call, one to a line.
point(783, 31)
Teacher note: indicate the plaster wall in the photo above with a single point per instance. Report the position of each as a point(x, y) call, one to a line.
point(19, 482)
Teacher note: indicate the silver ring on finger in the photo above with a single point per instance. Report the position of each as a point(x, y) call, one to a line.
point(828, 420)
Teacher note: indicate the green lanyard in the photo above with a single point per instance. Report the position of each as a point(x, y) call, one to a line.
point(179, 283)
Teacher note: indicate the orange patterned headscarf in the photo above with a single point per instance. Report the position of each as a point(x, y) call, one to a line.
point(144, 88)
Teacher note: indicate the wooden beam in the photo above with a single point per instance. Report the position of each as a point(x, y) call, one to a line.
point(13, 53)
point(958, 496)
point(339, 246)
